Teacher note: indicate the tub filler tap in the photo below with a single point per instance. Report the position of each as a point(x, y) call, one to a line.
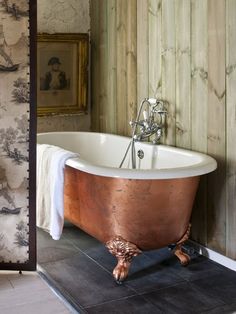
point(152, 122)
point(149, 127)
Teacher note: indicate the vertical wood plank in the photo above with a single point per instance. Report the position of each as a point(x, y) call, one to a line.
point(231, 127)
point(131, 110)
point(103, 55)
point(216, 125)
point(199, 66)
point(183, 74)
point(95, 73)
point(168, 66)
point(199, 100)
point(142, 50)
point(112, 71)
point(121, 66)
point(154, 29)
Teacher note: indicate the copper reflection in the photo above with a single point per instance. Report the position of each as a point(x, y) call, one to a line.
point(147, 213)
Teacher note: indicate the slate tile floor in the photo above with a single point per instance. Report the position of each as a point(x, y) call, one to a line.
point(80, 267)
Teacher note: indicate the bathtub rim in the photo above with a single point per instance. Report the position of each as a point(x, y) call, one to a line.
point(207, 165)
point(147, 174)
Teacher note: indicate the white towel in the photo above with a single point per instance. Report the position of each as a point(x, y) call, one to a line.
point(50, 187)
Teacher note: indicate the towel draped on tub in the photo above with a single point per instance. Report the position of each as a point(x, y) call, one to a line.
point(50, 187)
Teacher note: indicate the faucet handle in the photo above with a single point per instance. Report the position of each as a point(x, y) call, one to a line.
point(160, 108)
point(162, 112)
point(145, 115)
point(152, 101)
point(157, 136)
point(131, 123)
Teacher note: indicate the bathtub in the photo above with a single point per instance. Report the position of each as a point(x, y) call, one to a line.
point(130, 210)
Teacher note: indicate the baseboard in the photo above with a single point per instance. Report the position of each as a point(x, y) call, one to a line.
point(214, 256)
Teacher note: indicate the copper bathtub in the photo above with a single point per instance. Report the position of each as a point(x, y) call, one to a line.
point(130, 210)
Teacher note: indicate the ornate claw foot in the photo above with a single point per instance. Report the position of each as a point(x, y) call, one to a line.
point(124, 252)
point(183, 257)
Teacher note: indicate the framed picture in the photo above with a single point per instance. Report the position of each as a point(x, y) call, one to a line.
point(62, 73)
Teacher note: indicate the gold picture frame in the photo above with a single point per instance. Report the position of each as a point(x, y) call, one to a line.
point(62, 73)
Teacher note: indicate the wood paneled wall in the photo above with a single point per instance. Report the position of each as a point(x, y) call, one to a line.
point(183, 51)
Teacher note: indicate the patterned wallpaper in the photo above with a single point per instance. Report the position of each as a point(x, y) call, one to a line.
point(14, 131)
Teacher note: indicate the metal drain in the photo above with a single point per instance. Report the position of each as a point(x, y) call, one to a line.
point(140, 154)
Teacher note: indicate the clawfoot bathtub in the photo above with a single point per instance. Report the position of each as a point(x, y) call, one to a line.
point(130, 210)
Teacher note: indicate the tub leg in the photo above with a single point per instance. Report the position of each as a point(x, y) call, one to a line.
point(183, 257)
point(124, 252)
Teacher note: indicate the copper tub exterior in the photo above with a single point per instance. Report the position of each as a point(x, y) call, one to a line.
point(149, 213)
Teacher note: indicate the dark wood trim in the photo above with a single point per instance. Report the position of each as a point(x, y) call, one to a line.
point(30, 265)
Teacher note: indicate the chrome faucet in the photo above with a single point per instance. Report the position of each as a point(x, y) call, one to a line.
point(152, 122)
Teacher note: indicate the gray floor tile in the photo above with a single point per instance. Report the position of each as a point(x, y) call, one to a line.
point(79, 238)
point(49, 250)
point(39, 307)
point(153, 278)
point(225, 309)
point(5, 284)
point(199, 267)
point(102, 256)
point(81, 268)
point(159, 255)
point(26, 297)
point(85, 281)
point(182, 299)
point(132, 305)
point(222, 287)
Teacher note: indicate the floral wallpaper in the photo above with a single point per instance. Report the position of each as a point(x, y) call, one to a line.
point(14, 131)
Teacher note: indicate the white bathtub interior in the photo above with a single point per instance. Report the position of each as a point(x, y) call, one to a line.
point(102, 154)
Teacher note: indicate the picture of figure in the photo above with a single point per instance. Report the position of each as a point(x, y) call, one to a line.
point(55, 78)
point(62, 64)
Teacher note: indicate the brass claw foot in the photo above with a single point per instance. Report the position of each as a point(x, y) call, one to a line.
point(124, 252)
point(121, 270)
point(183, 257)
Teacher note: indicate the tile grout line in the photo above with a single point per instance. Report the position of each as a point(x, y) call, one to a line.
point(10, 283)
point(110, 301)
